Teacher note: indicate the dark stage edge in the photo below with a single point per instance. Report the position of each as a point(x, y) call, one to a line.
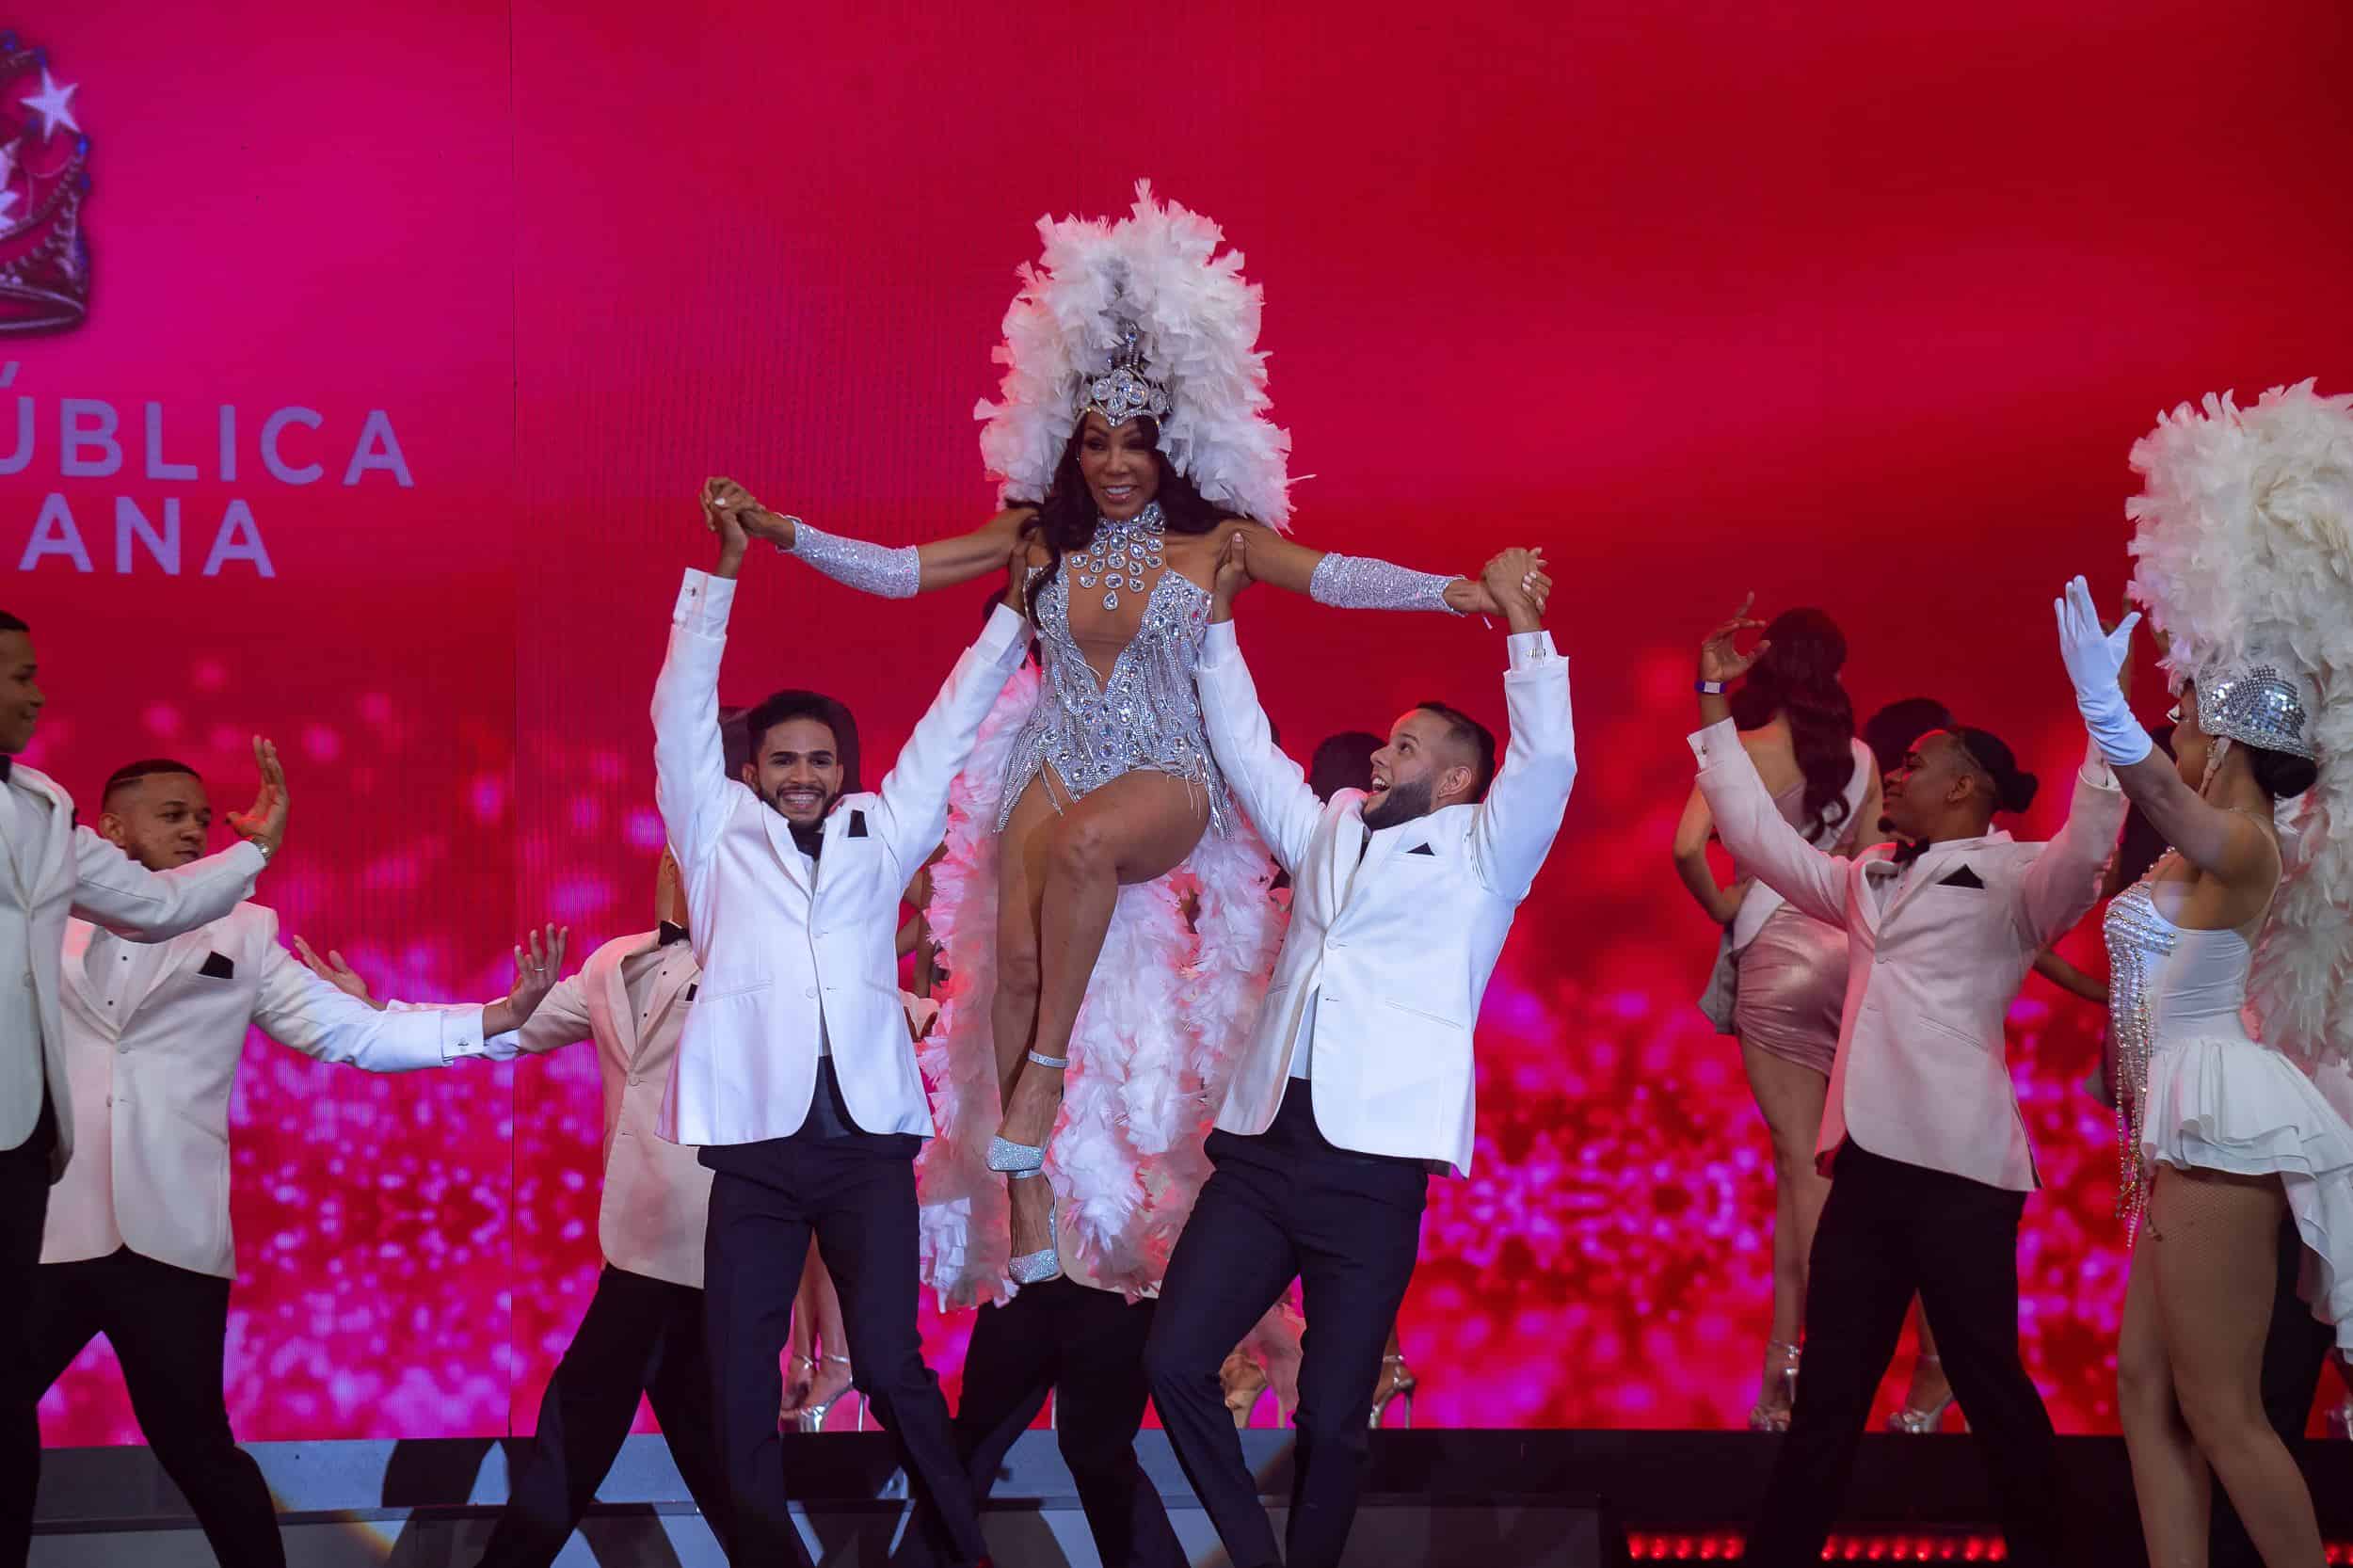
point(1435, 1500)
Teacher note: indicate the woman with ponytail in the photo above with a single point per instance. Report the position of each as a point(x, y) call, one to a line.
point(1786, 972)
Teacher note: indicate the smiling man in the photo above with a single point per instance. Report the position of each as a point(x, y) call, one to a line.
point(137, 1244)
point(56, 868)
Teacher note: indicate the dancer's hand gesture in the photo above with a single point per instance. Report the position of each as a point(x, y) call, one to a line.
point(1719, 659)
point(337, 973)
point(264, 825)
point(2095, 655)
point(535, 974)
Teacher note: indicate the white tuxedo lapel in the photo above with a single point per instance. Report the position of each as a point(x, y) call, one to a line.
point(780, 839)
point(183, 952)
point(73, 967)
point(620, 1017)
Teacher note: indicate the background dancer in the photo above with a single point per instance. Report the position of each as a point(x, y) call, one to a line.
point(1921, 1138)
point(57, 869)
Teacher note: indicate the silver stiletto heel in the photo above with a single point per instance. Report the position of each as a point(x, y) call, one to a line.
point(1920, 1423)
point(1036, 1268)
point(1779, 1396)
point(1018, 1158)
point(1398, 1383)
point(812, 1418)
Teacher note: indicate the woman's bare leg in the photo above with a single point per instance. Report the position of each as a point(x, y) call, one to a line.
point(1132, 829)
point(2172, 1481)
point(1020, 855)
point(1791, 1097)
point(2216, 1239)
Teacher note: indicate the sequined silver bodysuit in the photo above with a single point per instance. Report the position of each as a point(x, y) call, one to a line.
point(1147, 715)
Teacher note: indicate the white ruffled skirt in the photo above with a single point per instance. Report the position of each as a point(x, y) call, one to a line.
point(2225, 1103)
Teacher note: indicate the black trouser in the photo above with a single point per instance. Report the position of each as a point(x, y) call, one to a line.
point(24, 1211)
point(854, 1192)
point(169, 1328)
point(2293, 1353)
point(639, 1336)
point(1086, 1345)
point(1887, 1231)
point(1348, 1226)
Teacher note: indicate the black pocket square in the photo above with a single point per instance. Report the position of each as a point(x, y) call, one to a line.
point(218, 967)
point(858, 825)
point(1421, 849)
point(1964, 877)
point(691, 989)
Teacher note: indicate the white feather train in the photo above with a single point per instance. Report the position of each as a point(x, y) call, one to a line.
point(2243, 544)
point(1168, 1007)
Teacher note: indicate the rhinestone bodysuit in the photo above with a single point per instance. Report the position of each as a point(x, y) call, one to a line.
point(2139, 941)
point(1147, 715)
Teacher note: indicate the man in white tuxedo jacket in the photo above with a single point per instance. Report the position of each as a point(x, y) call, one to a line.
point(1358, 1079)
point(795, 1073)
point(1921, 1133)
point(643, 1332)
point(138, 1245)
point(57, 869)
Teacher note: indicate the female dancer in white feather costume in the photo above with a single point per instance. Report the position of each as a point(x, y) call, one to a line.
point(2245, 551)
point(1132, 441)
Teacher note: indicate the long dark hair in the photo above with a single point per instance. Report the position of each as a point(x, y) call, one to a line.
point(1799, 675)
point(1067, 517)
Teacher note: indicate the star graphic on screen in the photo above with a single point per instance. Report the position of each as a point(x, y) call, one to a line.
point(8, 178)
point(53, 104)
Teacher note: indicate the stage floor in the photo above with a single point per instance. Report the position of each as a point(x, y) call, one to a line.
point(1435, 1500)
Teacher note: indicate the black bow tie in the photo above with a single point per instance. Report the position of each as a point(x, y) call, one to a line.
point(1909, 850)
point(672, 932)
point(8, 766)
point(811, 841)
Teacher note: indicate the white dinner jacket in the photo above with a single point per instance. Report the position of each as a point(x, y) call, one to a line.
point(1922, 1074)
point(1398, 949)
point(151, 1087)
point(781, 957)
point(67, 871)
point(656, 1192)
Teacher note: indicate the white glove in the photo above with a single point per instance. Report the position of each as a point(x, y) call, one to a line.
point(2093, 657)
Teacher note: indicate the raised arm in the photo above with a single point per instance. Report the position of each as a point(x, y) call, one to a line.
point(1353, 582)
point(1272, 791)
point(1756, 834)
point(539, 1013)
point(893, 573)
point(914, 795)
point(2223, 844)
point(691, 785)
point(115, 891)
point(1515, 824)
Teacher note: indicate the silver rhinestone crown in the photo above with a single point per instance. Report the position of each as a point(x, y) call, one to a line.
point(2260, 704)
point(1125, 392)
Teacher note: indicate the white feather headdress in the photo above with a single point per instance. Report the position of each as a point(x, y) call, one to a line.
point(1159, 268)
point(2244, 540)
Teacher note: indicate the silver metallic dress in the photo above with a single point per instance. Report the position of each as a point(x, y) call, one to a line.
point(1147, 715)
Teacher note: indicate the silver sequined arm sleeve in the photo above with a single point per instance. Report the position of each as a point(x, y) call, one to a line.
point(1361, 583)
point(870, 567)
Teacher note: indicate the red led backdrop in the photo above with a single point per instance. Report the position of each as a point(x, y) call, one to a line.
point(1847, 304)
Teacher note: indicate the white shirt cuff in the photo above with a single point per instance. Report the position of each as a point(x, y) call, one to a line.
point(1707, 745)
point(703, 601)
point(1007, 630)
point(461, 1034)
point(1530, 647)
point(1219, 644)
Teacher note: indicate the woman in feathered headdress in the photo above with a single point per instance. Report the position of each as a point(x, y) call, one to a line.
point(1132, 440)
point(2246, 564)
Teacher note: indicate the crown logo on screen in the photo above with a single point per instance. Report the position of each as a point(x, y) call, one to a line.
point(44, 176)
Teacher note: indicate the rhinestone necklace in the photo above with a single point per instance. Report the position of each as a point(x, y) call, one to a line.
point(1122, 552)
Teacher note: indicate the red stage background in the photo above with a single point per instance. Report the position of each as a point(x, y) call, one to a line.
point(1852, 305)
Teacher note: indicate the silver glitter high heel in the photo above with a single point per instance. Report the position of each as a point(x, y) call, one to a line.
point(1921, 1423)
point(1036, 1268)
point(1022, 1159)
point(812, 1418)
